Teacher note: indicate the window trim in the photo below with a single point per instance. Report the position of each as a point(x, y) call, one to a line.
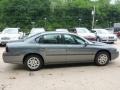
point(79, 38)
point(60, 42)
point(64, 39)
point(73, 36)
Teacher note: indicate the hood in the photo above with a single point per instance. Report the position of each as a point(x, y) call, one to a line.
point(101, 45)
point(87, 34)
point(98, 43)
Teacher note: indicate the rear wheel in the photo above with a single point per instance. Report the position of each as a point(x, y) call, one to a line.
point(33, 62)
point(102, 58)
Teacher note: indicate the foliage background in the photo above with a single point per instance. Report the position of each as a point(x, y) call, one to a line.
point(52, 14)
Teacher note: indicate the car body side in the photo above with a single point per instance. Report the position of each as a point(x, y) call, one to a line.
point(56, 54)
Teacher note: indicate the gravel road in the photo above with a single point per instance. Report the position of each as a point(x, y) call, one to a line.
point(61, 77)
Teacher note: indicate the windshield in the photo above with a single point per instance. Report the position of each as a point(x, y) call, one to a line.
point(102, 31)
point(10, 31)
point(80, 30)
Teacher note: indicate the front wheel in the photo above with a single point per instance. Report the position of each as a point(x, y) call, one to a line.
point(102, 58)
point(33, 62)
point(98, 39)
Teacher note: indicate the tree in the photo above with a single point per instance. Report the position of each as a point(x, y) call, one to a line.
point(52, 14)
point(20, 13)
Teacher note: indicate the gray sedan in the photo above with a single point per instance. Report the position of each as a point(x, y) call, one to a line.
point(57, 48)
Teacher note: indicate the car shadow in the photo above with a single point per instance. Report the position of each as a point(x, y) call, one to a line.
point(53, 66)
point(15, 67)
point(68, 65)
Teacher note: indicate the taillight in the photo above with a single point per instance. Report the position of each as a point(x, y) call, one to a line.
point(6, 49)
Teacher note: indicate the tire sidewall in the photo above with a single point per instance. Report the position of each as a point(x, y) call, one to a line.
point(96, 58)
point(98, 39)
point(30, 56)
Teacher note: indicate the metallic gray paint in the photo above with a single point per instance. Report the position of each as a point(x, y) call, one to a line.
point(55, 53)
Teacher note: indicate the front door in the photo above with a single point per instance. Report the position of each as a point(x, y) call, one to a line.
point(77, 51)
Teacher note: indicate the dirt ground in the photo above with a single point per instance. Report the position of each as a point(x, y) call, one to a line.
point(61, 77)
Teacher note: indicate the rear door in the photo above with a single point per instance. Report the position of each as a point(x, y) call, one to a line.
point(55, 50)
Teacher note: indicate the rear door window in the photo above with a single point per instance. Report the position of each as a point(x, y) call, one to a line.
point(50, 39)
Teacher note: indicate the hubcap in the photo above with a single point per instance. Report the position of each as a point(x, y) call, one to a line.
point(33, 63)
point(102, 59)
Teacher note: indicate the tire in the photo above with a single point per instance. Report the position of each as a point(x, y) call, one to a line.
point(112, 42)
point(102, 58)
point(33, 62)
point(98, 39)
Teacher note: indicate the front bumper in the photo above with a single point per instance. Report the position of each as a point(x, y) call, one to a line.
point(114, 55)
point(14, 59)
point(108, 40)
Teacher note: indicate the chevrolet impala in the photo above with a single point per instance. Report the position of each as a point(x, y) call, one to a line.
point(57, 48)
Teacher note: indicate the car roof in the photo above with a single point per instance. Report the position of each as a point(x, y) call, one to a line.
point(12, 28)
point(98, 29)
point(9, 29)
point(54, 32)
point(62, 30)
point(50, 32)
point(80, 28)
point(37, 29)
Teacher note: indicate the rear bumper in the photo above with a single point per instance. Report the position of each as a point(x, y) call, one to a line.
point(3, 42)
point(15, 59)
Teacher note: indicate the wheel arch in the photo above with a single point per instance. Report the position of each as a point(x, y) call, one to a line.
point(98, 37)
point(103, 50)
point(32, 54)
